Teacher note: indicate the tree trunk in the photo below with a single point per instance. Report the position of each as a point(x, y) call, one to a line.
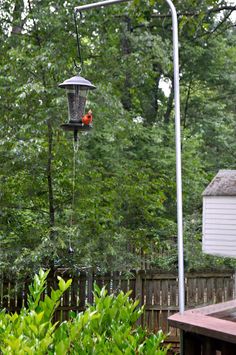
point(186, 105)
point(50, 262)
point(49, 178)
point(126, 51)
point(152, 109)
point(17, 22)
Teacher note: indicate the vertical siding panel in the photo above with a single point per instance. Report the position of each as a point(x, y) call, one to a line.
point(219, 225)
point(203, 223)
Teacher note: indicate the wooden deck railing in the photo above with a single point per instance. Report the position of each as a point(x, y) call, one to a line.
point(209, 330)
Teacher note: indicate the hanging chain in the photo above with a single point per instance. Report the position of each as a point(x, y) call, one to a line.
point(75, 151)
point(79, 68)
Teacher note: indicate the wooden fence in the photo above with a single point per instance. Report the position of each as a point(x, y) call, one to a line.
point(158, 292)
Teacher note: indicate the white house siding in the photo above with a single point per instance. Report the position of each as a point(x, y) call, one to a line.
point(219, 225)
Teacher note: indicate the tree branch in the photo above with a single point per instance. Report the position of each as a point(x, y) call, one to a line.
point(208, 33)
point(33, 209)
point(197, 13)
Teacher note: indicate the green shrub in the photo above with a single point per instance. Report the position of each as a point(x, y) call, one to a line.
point(107, 327)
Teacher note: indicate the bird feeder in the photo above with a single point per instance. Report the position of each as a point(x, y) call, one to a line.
point(77, 89)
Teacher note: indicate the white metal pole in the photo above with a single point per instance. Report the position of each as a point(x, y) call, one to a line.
point(178, 156)
point(177, 136)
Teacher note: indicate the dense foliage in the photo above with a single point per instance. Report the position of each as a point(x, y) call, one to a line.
point(107, 327)
point(125, 209)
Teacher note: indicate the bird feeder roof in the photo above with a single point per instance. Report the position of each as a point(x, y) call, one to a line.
point(223, 184)
point(79, 81)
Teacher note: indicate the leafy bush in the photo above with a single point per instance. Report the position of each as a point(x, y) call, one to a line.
point(107, 327)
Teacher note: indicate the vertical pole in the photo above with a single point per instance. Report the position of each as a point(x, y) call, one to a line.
point(178, 156)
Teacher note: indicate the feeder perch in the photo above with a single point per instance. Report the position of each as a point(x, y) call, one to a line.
point(77, 89)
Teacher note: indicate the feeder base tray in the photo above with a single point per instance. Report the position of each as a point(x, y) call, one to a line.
point(75, 126)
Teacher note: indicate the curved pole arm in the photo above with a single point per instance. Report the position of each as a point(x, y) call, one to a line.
point(97, 4)
point(177, 135)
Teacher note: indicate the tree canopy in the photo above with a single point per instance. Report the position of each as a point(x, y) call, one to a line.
point(124, 209)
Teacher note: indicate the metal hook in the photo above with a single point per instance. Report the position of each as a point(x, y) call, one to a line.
point(78, 67)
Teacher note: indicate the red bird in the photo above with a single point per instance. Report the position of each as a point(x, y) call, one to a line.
point(88, 118)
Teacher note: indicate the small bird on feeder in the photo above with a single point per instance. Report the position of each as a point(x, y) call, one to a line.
point(88, 118)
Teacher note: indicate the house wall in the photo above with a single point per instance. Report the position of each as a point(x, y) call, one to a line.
point(219, 225)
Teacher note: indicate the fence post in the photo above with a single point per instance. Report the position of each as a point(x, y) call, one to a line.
point(90, 287)
point(139, 291)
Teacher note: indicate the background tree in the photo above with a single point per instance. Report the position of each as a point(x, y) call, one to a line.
point(124, 209)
